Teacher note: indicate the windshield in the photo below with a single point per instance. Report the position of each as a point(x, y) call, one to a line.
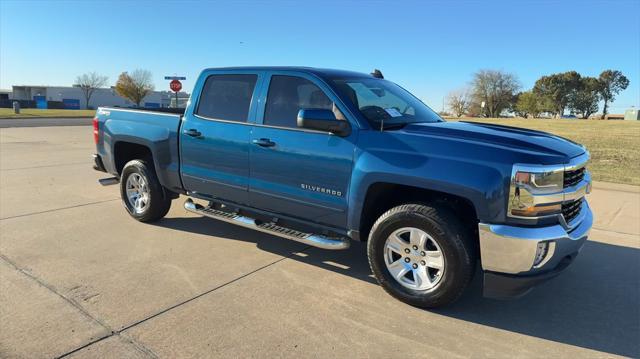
point(383, 103)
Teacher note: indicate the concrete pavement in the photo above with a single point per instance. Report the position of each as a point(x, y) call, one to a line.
point(41, 122)
point(79, 278)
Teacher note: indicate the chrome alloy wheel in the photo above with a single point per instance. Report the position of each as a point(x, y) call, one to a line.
point(414, 259)
point(137, 192)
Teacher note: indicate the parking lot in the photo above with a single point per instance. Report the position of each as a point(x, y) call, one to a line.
point(78, 277)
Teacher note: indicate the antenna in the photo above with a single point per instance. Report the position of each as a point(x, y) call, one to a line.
point(377, 74)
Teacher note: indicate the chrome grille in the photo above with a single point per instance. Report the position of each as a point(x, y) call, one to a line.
point(571, 178)
point(571, 209)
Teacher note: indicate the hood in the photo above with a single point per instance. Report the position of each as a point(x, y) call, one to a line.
point(511, 137)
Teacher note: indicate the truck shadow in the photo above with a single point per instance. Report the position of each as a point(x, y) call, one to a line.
point(594, 304)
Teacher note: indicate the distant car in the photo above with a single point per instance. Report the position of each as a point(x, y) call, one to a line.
point(569, 116)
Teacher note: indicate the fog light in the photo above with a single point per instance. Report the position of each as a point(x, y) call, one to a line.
point(541, 252)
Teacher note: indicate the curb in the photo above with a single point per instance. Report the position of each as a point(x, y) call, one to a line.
point(616, 187)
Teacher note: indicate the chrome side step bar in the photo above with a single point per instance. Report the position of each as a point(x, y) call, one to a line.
point(311, 239)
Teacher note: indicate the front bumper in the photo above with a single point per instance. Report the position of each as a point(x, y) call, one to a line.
point(508, 253)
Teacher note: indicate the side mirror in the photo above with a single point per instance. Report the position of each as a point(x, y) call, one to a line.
point(322, 120)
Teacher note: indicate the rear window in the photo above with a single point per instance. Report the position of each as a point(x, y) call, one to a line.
point(227, 97)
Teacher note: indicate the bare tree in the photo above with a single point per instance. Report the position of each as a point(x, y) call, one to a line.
point(88, 83)
point(136, 86)
point(459, 101)
point(496, 89)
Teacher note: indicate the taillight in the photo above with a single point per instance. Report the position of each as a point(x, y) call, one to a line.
point(96, 134)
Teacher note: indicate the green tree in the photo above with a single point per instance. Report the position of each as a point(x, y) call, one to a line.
point(88, 83)
point(611, 83)
point(136, 86)
point(528, 103)
point(496, 89)
point(558, 89)
point(585, 99)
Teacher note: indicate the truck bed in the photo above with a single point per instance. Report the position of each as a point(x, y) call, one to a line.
point(175, 111)
point(153, 129)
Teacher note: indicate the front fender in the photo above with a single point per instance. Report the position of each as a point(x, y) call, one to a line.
point(482, 183)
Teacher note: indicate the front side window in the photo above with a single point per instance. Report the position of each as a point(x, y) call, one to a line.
point(227, 97)
point(382, 102)
point(288, 95)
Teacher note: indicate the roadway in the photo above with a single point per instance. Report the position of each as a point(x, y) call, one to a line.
point(79, 278)
point(44, 122)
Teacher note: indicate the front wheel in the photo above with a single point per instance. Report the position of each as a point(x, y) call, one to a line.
point(421, 255)
point(141, 192)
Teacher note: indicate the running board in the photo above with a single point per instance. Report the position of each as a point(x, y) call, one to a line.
point(109, 181)
point(311, 239)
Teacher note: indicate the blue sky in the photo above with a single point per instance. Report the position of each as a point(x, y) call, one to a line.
point(430, 48)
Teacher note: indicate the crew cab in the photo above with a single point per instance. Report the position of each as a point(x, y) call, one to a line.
point(326, 157)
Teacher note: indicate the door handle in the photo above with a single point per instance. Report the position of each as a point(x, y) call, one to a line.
point(193, 133)
point(264, 142)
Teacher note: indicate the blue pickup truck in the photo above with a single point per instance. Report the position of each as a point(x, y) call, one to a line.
point(326, 157)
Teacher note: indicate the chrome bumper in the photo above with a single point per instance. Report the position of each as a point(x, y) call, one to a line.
point(512, 250)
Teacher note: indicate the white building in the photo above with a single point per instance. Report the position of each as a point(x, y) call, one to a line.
point(73, 97)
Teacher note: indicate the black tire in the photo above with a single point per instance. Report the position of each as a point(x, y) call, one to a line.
point(158, 202)
point(451, 236)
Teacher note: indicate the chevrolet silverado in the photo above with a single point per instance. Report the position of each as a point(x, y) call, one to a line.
point(326, 157)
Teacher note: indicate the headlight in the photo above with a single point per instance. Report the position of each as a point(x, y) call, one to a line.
point(540, 182)
point(529, 181)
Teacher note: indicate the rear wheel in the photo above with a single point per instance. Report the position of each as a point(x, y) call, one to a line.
point(421, 254)
point(141, 192)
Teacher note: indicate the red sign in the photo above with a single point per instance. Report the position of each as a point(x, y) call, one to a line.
point(175, 85)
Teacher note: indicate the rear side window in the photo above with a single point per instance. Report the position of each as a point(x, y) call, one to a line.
point(227, 97)
point(287, 95)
